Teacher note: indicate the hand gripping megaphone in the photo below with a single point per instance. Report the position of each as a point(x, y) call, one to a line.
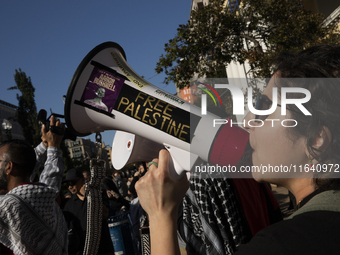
point(106, 94)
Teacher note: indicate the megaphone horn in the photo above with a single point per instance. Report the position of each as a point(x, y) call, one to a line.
point(106, 94)
point(129, 148)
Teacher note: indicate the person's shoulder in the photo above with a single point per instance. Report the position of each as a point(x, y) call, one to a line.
point(70, 201)
point(308, 224)
point(108, 182)
point(266, 241)
point(74, 197)
point(308, 232)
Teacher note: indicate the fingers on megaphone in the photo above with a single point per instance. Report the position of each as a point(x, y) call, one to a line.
point(164, 159)
point(164, 167)
point(154, 162)
point(161, 164)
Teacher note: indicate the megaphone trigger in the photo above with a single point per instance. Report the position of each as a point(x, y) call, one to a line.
point(175, 169)
point(182, 161)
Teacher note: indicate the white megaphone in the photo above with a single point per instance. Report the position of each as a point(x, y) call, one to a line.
point(129, 148)
point(106, 94)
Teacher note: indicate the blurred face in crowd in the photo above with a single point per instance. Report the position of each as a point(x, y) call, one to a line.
point(141, 168)
point(72, 189)
point(77, 186)
point(86, 176)
point(3, 176)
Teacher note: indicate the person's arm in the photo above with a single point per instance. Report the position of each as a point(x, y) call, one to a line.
point(54, 165)
point(160, 196)
point(40, 152)
point(54, 169)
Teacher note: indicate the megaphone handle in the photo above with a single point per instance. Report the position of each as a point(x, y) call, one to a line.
point(176, 170)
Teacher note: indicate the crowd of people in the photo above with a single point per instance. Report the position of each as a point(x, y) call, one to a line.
point(36, 218)
point(200, 215)
point(31, 221)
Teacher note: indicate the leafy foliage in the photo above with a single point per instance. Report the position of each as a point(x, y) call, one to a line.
point(27, 111)
point(257, 32)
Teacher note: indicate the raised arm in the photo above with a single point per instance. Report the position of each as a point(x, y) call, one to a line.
point(54, 165)
point(160, 196)
point(40, 152)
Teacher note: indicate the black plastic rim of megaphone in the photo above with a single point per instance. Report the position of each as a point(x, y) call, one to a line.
point(75, 78)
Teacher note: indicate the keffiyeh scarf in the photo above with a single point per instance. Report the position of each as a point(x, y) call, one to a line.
point(211, 217)
point(31, 222)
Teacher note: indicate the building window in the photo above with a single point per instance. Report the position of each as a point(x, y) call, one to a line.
point(74, 150)
point(75, 143)
point(77, 155)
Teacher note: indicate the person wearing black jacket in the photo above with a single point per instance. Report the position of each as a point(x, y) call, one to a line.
point(75, 212)
point(142, 169)
point(116, 201)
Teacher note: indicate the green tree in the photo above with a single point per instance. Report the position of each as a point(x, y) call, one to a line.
point(257, 32)
point(27, 111)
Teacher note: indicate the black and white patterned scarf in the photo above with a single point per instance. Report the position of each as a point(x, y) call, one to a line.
point(212, 217)
point(31, 222)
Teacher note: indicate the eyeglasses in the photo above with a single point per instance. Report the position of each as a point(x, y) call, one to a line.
point(4, 160)
point(263, 103)
point(74, 182)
